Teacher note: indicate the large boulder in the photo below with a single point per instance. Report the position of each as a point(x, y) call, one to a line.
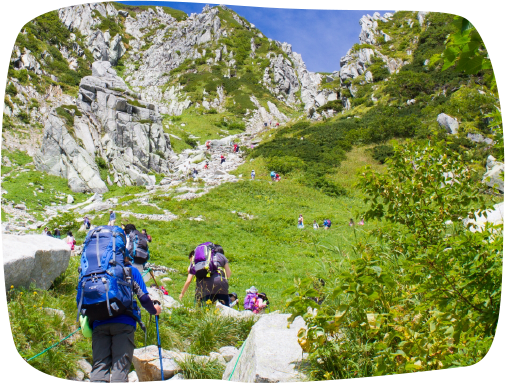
point(263, 360)
point(493, 216)
point(450, 124)
point(35, 259)
point(494, 174)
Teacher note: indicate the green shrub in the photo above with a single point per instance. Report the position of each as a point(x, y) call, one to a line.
point(24, 117)
point(285, 165)
point(382, 152)
point(11, 90)
point(69, 118)
point(101, 163)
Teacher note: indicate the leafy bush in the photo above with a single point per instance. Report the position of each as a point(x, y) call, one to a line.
point(101, 163)
point(69, 118)
point(382, 152)
point(336, 105)
point(11, 90)
point(285, 165)
point(428, 296)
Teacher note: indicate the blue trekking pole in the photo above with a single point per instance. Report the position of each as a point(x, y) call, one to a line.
point(159, 346)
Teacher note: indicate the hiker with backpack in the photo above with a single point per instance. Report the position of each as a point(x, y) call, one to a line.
point(272, 175)
point(315, 225)
point(300, 221)
point(70, 240)
point(47, 232)
point(211, 269)
point(57, 233)
point(222, 159)
point(107, 309)
point(255, 302)
point(137, 246)
point(149, 238)
point(327, 224)
point(253, 174)
point(234, 300)
point(87, 223)
point(112, 218)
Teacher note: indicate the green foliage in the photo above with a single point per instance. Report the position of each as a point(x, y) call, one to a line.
point(193, 368)
point(101, 163)
point(134, 9)
point(382, 152)
point(24, 117)
point(285, 164)
point(11, 90)
point(466, 50)
point(67, 116)
point(426, 297)
point(407, 85)
point(336, 105)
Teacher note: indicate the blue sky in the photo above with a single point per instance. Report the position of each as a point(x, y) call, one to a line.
point(320, 36)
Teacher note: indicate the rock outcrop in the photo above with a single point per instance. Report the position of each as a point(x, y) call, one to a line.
point(60, 155)
point(113, 124)
point(450, 124)
point(494, 174)
point(261, 359)
point(37, 259)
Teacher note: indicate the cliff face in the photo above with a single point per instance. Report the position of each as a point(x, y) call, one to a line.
point(112, 125)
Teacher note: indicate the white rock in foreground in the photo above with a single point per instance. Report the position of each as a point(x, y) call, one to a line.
point(271, 352)
point(35, 259)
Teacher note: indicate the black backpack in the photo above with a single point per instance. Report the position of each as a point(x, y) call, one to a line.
point(140, 250)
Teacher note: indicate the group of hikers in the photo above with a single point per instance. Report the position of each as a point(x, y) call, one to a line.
point(326, 223)
point(111, 268)
point(69, 239)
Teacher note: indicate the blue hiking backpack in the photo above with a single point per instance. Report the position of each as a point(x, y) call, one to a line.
point(104, 289)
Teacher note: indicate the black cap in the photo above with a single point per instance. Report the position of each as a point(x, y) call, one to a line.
point(233, 295)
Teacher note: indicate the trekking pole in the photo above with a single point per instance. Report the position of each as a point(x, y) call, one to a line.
point(159, 343)
point(165, 292)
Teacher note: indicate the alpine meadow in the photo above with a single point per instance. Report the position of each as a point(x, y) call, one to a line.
point(290, 225)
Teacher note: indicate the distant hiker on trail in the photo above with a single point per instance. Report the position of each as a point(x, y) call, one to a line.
point(351, 222)
point(266, 124)
point(326, 224)
point(70, 240)
point(149, 238)
point(300, 221)
point(315, 225)
point(234, 300)
point(261, 304)
point(362, 222)
point(207, 144)
point(87, 223)
point(277, 124)
point(195, 173)
point(112, 218)
point(277, 177)
point(212, 271)
point(111, 315)
point(47, 232)
point(272, 175)
point(235, 148)
point(255, 302)
point(206, 166)
point(253, 174)
point(56, 233)
point(222, 159)
point(137, 246)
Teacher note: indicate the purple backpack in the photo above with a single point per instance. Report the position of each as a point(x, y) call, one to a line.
point(250, 301)
point(203, 264)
